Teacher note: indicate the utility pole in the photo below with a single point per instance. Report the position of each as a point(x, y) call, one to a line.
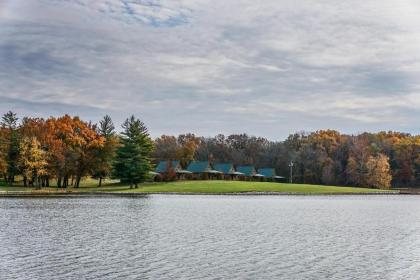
point(291, 171)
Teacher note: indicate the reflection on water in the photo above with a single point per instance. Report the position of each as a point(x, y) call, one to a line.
point(211, 237)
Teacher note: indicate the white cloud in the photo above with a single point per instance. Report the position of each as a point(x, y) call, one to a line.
point(239, 64)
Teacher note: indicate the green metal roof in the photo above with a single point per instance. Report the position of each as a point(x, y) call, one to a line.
point(199, 167)
point(163, 166)
point(248, 170)
point(225, 168)
point(267, 172)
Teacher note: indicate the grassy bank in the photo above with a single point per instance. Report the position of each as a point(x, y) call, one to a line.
point(217, 187)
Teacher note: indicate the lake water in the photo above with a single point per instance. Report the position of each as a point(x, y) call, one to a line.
point(211, 237)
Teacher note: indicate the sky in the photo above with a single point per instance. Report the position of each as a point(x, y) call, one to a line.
point(266, 68)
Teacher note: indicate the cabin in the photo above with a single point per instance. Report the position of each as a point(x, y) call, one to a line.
point(203, 170)
point(227, 170)
point(270, 174)
point(249, 171)
point(164, 166)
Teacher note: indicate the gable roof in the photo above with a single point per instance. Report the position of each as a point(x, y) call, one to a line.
point(225, 168)
point(248, 170)
point(163, 166)
point(199, 167)
point(267, 172)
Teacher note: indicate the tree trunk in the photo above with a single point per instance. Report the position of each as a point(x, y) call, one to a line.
point(59, 182)
point(78, 178)
point(100, 181)
point(65, 181)
point(25, 181)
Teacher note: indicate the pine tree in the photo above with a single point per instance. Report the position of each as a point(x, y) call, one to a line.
point(132, 161)
point(106, 127)
point(11, 141)
point(103, 166)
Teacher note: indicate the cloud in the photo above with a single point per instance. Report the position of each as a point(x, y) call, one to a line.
point(158, 13)
point(206, 66)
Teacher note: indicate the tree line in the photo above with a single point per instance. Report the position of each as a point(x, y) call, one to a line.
point(66, 149)
point(379, 160)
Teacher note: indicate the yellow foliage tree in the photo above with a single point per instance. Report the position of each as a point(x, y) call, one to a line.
point(378, 172)
point(188, 146)
point(32, 160)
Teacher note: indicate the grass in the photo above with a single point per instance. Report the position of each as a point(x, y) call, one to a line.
point(240, 186)
point(199, 187)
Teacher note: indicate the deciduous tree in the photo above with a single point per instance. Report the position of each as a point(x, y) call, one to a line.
point(188, 144)
point(378, 172)
point(32, 161)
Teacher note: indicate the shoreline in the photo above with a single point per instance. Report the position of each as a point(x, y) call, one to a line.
point(144, 194)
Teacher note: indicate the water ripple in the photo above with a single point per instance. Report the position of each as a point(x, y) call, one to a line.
point(207, 237)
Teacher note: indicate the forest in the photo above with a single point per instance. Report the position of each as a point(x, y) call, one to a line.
point(66, 149)
point(325, 157)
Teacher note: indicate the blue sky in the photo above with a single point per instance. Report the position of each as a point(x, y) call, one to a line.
point(210, 66)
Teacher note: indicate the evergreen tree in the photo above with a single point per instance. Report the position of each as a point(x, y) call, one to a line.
point(103, 166)
point(11, 141)
point(132, 162)
point(106, 127)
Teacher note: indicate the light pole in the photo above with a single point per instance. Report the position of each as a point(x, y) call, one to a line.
point(291, 171)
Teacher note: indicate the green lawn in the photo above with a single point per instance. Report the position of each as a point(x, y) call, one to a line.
point(90, 185)
point(240, 186)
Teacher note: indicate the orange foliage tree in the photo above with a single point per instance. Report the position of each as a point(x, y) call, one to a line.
point(74, 144)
